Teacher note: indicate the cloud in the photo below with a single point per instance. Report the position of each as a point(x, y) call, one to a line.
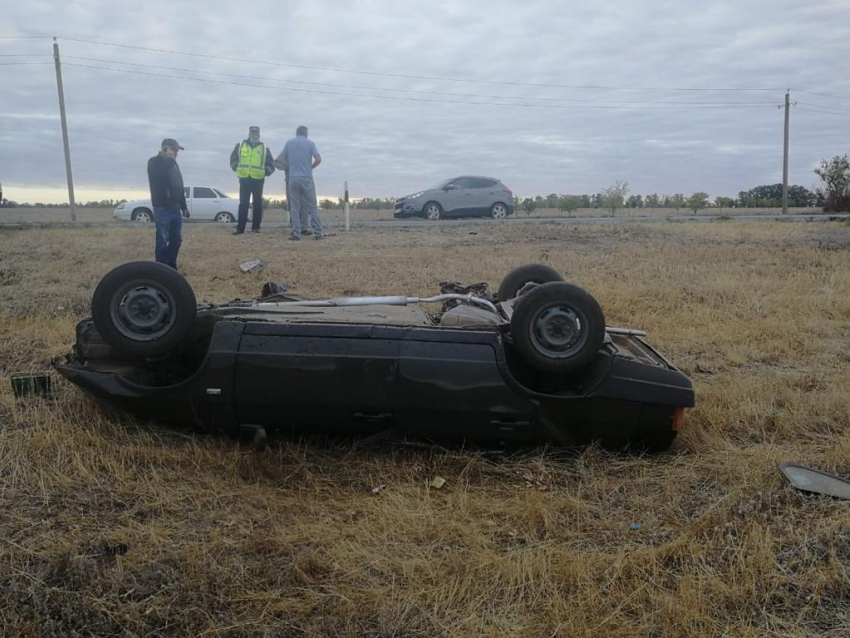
point(388, 135)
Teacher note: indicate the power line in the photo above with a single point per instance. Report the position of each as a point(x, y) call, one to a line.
point(840, 97)
point(376, 88)
point(824, 106)
point(419, 77)
point(19, 63)
point(801, 108)
point(22, 55)
point(409, 76)
point(403, 98)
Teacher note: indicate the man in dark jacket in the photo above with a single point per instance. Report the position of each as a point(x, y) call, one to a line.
point(252, 162)
point(169, 201)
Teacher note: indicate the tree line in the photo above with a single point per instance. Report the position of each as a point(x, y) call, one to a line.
point(103, 203)
point(617, 197)
point(833, 196)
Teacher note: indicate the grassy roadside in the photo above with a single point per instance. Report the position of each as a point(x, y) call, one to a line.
point(222, 542)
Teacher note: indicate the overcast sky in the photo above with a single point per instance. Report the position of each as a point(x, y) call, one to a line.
point(471, 110)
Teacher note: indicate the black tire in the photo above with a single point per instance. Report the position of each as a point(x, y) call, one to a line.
point(142, 212)
point(519, 277)
point(498, 211)
point(432, 211)
point(143, 309)
point(225, 218)
point(558, 327)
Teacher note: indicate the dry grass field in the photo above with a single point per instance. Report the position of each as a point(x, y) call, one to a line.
point(110, 527)
point(103, 215)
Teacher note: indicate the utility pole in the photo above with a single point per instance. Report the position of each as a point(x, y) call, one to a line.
point(785, 154)
point(64, 131)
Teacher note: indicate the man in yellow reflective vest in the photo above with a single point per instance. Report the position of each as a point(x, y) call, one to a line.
point(252, 162)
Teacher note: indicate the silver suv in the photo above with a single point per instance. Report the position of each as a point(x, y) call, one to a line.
point(459, 196)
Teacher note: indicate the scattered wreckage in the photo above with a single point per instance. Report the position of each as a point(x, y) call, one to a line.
point(533, 362)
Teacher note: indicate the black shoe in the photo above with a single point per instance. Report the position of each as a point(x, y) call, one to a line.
point(306, 232)
point(238, 232)
point(293, 238)
point(255, 230)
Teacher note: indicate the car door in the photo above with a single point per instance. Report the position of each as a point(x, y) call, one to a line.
point(228, 204)
point(483, 195)
point(317, 378)
point(451, 387)
point(456, 199)
point(205, 202)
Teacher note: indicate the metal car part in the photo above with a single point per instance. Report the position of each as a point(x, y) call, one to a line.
point(393, 300)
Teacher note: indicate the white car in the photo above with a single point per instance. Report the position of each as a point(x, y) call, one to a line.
point(205, 204)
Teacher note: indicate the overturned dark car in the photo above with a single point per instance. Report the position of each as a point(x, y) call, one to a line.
point(534, 362)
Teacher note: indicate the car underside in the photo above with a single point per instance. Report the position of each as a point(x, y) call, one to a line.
point(520, 369)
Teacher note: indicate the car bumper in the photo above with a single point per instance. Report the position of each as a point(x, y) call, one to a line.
point(407, 209)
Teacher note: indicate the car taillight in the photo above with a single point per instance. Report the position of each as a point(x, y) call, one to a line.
point(508, 191)
point(678, 416)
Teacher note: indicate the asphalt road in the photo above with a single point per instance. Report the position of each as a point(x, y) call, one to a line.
point(415, 223)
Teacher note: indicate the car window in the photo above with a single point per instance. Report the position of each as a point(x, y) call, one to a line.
point(220, 194)
point(480, 182)
point(202, 192)
point(439, 185)
point(186, 192)
point(461, 182)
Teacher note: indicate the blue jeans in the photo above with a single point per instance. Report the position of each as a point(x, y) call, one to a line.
point(169, 235)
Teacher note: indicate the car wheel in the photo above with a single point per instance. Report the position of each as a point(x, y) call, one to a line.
point(142, 215)
point(432, 211)
point(517, 279)
point(224, 218)
point(498, 211)
point(143, 309)
point(558, 327)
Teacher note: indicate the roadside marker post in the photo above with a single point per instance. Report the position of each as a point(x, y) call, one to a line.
point(347, 210)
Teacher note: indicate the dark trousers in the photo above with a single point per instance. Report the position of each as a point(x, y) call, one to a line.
point(169, 234)
point(248, 188)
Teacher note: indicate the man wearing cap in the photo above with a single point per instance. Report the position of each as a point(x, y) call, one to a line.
point(252, 162)
point(169, 201)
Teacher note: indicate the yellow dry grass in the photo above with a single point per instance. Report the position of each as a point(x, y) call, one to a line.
point(224, 542)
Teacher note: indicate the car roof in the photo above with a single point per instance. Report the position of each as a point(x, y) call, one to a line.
point(496, 179)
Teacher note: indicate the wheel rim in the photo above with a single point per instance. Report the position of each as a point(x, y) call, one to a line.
point(143, 216)
point(224, 218)
point(142, 311)
point(499, 211)
point(433, 212)
point(558, 331)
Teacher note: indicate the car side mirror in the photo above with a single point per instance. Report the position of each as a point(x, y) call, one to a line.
point(449, 187)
